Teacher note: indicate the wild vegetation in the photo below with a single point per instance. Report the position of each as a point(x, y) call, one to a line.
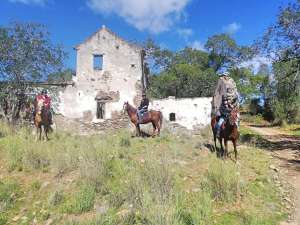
point(193, 73)
point(114, 179)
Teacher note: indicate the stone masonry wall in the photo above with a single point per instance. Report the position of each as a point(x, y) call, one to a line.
point(121, 72)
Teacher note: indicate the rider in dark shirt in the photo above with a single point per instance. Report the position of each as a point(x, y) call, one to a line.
point(143, 107)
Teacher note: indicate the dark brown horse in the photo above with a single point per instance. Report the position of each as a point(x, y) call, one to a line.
point(41, 121)
point(154, 117)
point(229, 132)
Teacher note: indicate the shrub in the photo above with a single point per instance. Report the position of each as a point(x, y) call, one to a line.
point(55, 198)
point(221, 180)
point(9, 191)
point(125, 142)
point(36, 185)
point(3, 219)
point(196, 208)
point(82, 201)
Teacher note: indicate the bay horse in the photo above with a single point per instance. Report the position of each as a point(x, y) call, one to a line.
point(229, 131)
point(41, 121)
point(154, 117)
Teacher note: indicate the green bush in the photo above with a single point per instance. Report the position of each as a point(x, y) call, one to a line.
point(3, 219)
point(9, 191)
point(221, 179)
point(80, 202)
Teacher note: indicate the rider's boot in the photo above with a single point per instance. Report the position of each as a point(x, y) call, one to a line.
point(218, 132)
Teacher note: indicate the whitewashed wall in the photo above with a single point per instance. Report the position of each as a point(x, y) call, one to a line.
point(121, 72)
point(189, 112)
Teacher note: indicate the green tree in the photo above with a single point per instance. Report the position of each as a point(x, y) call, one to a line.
point(26, 55)
point(61, 76)
point(225, 52)
point(282, 43)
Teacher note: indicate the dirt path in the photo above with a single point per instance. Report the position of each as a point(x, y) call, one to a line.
point(286, 150)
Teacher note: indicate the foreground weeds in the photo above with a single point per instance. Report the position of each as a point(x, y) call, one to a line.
point(116, 179)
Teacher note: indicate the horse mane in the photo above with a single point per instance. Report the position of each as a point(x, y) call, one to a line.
point(131, 108)
point(233, 117)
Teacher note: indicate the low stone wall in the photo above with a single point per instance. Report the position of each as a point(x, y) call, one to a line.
point(191, 113)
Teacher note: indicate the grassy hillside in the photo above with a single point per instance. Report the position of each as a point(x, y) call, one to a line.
point(116, 179)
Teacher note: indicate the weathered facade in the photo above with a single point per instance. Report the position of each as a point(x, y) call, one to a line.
point(109, 71)
point(191, 113)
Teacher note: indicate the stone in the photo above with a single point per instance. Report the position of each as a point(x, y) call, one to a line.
point(16, 218)
point(102, 209)
point(49, 221)
point(272, 167)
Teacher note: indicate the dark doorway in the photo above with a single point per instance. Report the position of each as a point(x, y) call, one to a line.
point(100, 110)
point(172, 117)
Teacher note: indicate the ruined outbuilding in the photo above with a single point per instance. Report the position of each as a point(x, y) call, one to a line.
point(109, 71)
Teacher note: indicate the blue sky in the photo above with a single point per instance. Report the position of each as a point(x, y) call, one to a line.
point(171, 23)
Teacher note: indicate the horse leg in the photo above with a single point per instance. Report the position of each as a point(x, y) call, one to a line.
point(40, 133)
point(222, 149)
point(215, 141)
point(154, 128)
point(37, 133)
point(235, 149)
point(46, 129)
point(138, 131)
point(226, 147)
point(43, 132)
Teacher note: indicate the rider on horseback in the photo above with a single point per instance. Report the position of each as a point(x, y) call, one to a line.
point(46, 103)
point(143, 108)
point(225, 99)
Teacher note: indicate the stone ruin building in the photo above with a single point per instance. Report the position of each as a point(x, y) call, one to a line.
point(110, 71)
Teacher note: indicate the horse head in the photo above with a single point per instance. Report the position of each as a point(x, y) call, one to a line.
point(125, 106)
point(233, 117)
point(39, 107)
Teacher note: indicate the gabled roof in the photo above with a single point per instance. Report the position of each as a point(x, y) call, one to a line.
point(104, 28)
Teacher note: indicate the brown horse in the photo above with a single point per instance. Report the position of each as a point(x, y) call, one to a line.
point(229, 131)
point(154, 117)
point(41, 121)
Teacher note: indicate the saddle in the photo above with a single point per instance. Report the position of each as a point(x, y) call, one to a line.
point(145, 116)
point(225, 121)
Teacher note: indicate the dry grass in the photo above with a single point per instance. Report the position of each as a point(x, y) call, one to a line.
point(116, 179)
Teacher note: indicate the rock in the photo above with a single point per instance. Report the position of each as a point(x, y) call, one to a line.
point(123, 213)
point(287, 199)
point(16, 218)
point(34, 221)
point(49, 222)
point(24, 218)
point(45, 184)
point(196, 190)
point(272, 167)
point(101, 209)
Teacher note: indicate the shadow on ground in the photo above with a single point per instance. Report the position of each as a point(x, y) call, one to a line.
point(277, 143)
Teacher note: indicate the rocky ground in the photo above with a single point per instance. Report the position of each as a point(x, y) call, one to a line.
point(285, 150)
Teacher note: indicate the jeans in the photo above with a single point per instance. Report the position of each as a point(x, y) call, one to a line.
point(141, 113)
point(220, 122)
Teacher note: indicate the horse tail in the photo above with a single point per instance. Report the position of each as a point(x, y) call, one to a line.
point(161, 119)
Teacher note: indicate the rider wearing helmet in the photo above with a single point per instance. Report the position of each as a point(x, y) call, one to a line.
point(143, 107)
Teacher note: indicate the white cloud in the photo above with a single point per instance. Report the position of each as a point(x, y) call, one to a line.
point(232, 28)
point(153, 15)
point(185, 33)
point(28, 2)
point(197, 45)
point(255, 63)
